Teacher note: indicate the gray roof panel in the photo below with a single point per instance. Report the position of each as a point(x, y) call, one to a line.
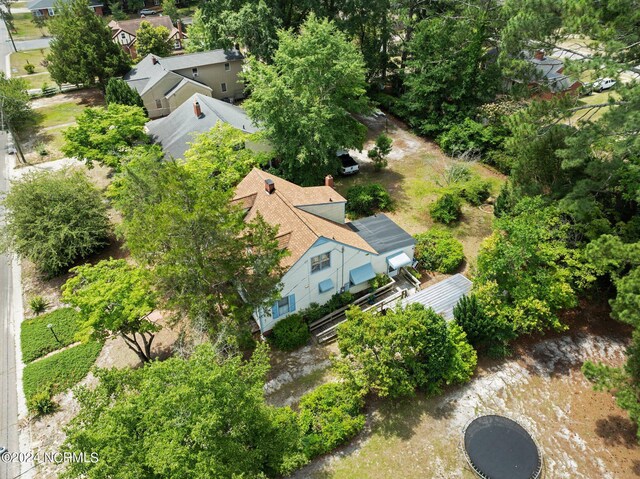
point(382, 233)
point(442, 296)
point(175, 131)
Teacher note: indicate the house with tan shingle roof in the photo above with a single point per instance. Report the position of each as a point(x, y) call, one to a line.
point(327, 254)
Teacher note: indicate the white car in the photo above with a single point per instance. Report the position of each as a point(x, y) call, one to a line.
point(147, 11)
point(603, 84)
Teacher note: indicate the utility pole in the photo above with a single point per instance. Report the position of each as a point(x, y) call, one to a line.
point(4, 19)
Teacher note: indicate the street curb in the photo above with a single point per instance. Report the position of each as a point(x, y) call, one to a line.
point(7, 66)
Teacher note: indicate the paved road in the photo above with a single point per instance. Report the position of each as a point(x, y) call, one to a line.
point(8, 381)
point(32, 44)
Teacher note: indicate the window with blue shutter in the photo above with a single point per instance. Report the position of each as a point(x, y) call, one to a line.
point(284, 306)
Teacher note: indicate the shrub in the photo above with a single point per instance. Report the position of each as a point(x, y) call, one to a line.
point(446, 209)
point(437, 250)
point(329, 416)
point(62, 370)
point(37, 339)
point(41, 402)
point(38, 305)
point(30, 68)
point(365, 200)
point(380, 151)
point(484, 333)
point(55, 218)
point(476, 191)
point(468, 139)
point(316, 311)
point(506, 201)
point(457, 173)
point(379, 281)
point(291, 333)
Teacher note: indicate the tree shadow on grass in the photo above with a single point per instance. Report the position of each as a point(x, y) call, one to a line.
point(616, 430)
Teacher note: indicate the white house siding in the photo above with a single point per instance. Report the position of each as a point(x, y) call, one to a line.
point(123, 38)
point(332, 211)
point(300, 281)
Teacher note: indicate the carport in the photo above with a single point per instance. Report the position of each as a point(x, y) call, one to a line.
point(442, 296)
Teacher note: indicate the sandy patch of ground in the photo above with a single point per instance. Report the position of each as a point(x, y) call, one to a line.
point(582, 433)
point(88, 97)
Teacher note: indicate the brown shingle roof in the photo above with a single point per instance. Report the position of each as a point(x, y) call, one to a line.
point(301, 229)
point(132, 26)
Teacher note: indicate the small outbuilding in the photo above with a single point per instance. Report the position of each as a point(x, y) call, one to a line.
point(442, 296)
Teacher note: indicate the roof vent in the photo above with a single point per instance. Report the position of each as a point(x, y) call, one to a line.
point(269, 186)
point(197, 111)
point(154, 60)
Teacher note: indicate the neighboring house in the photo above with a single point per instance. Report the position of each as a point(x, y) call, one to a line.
point(165, 83)
point(197, 115)
point(551, 74)
point(124, 32)
point(327, 255)
point(46, 8)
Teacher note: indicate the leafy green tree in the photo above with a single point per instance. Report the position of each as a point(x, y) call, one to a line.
point(448, 73)
point(527, 271)
point(304, 100)
point(116, 10)
point(118, 91)
point(404, 350)
point(170, 10)
point(221, 153)
point(105, 134)
point(367, 199)
point(438, 250)
point(14, 100)
point(330, 415)
point(209, 412)
point(380, 151)
point(483, 332)
point(150, 39)
point(114, 299)
point(54, 219)
point(82, 49)
point(447, 208)
point(40, 23)
point(181, 223)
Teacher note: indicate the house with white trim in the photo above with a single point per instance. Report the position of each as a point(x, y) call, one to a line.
point(327, 254)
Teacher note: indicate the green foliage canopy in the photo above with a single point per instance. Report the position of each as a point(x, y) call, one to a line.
point(305, 99)
point(54, 219)
point(150, 39)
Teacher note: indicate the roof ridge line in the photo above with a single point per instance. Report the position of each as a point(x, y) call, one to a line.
point(293, 209)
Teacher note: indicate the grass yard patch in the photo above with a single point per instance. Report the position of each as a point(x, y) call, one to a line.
point(58, 114)
point(62, 370)
point(37, 80)
point(22, 58)
point(593, 114)
point(38, 340)
point(25, 29)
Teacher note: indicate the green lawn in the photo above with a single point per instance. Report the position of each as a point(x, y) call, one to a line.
point(34, 57)
point(60, 371)
point(59, 114)
point(36, 81)
point(37, 339)
point(593, 99)
point(25, 29)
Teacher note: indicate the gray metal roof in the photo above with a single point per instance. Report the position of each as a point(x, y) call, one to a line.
point(382, 233)
point(175, 131)
point(146, 73)
point(42, 4)
point(442, 296)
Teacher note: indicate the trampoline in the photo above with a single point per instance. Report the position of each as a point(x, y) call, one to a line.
point(497, 447)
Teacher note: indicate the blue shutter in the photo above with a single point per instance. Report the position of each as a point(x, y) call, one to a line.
point(274, 310)
point(292, 303)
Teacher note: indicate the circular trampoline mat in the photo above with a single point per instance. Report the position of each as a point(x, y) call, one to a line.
point(500, 448)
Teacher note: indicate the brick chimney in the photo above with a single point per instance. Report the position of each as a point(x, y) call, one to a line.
point(539, 55)
point(328, 181)
point(197, 111)
point(269, 186)
point(154, 60)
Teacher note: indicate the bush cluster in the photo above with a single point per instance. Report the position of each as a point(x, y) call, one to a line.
point(41, 402)
point(316, 311)
point(365, 200)
point(483, 332)
point(290, 333)
point(447, 208)
point(475, 191)
point(437, 250)
point(379, 281)
point(329, 416)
